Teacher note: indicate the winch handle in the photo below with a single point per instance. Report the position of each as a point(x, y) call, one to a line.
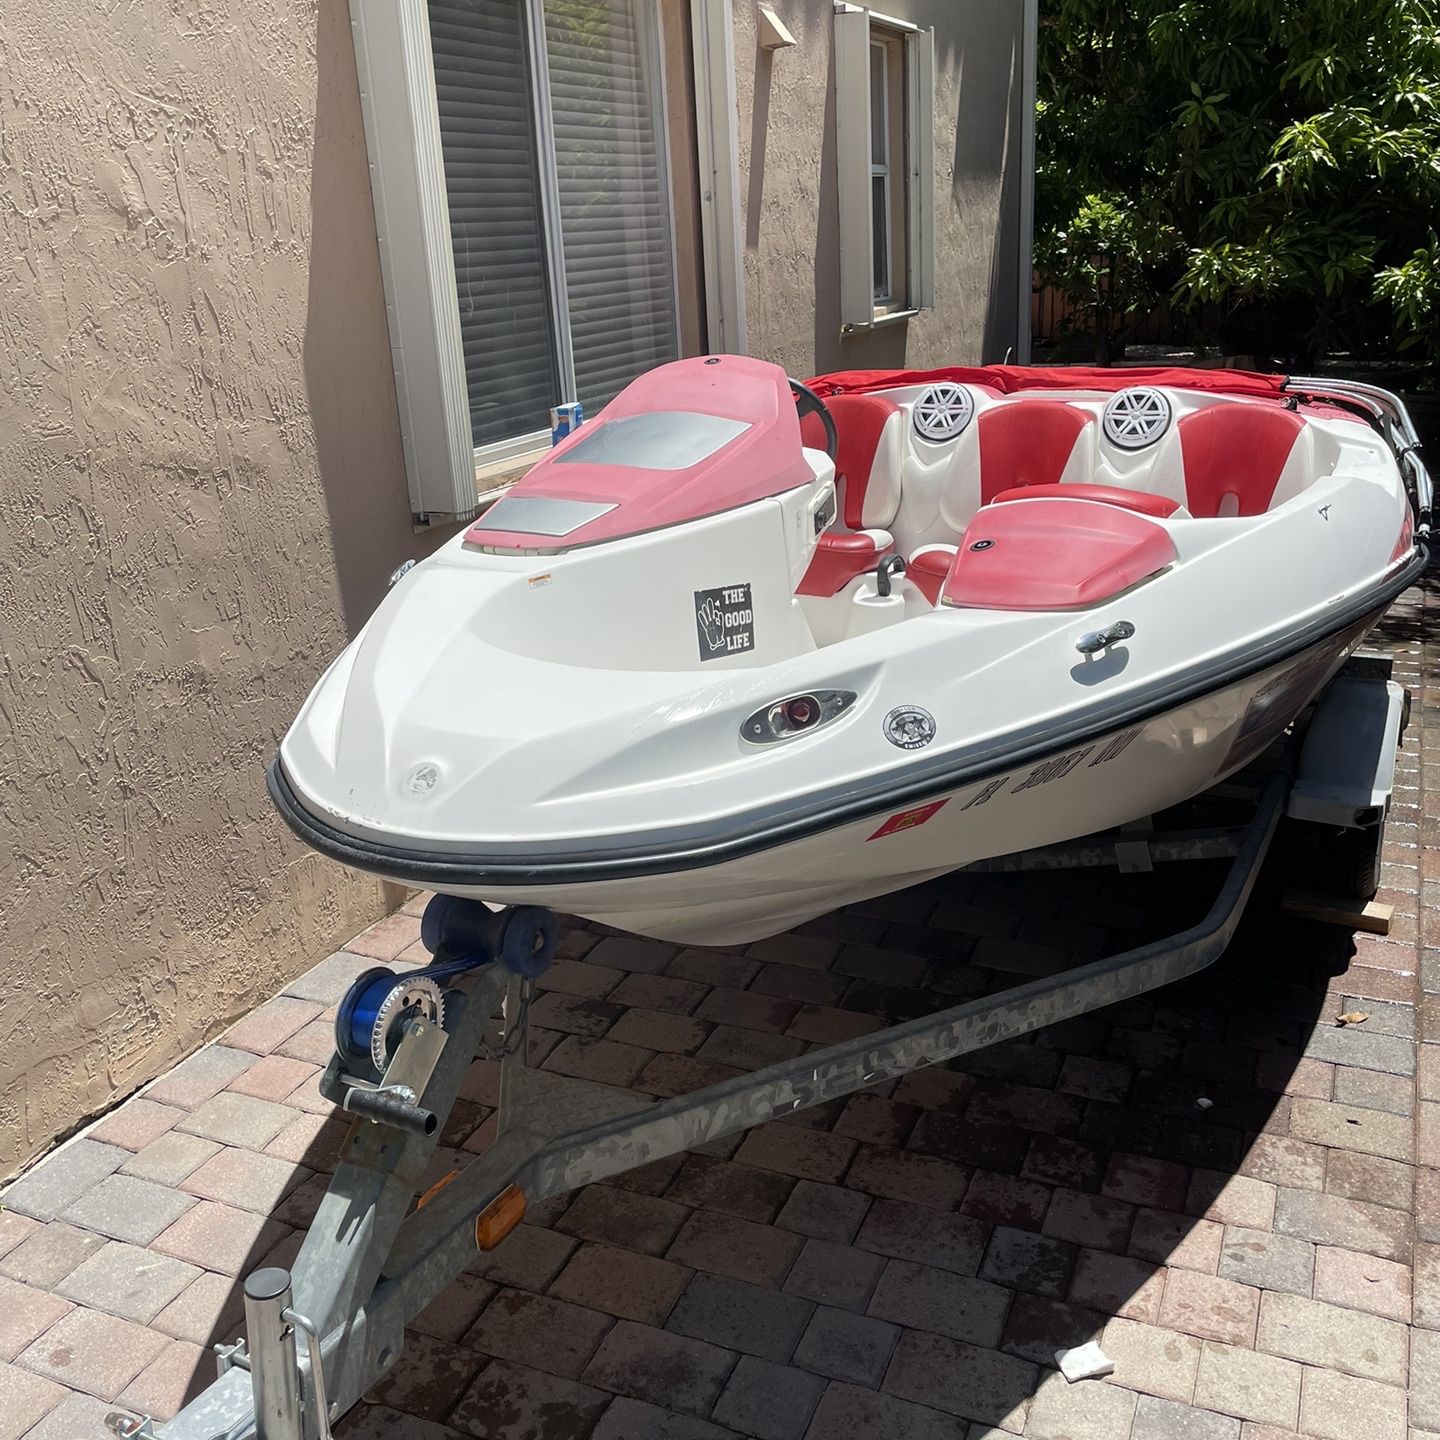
point(390, 1109)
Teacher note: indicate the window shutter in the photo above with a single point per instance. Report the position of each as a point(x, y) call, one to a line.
point(492, 179)
point(407, 183)
point(920, 138)
point(603, 64)
point(852, 158)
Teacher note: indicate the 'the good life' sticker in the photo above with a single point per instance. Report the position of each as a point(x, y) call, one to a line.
point(724, 621)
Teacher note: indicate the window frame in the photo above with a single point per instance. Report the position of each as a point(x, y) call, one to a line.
point(860, 307)
point(445, 471)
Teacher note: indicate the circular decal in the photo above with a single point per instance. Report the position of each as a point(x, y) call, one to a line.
point(909, 727)
point(422, 779)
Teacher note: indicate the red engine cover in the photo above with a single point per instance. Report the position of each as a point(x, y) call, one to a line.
point(1054, 555)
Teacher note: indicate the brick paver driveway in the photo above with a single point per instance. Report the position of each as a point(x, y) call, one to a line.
point(901, 1265)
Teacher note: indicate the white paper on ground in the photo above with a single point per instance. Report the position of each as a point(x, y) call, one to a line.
point(1084, 1362)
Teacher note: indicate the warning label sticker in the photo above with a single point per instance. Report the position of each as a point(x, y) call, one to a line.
point(724, 621)
point(909, 819)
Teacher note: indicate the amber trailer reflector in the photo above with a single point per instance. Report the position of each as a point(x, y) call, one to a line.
point(435, 1189)
point(499, 1217)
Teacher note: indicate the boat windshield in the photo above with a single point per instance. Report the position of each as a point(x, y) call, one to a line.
point(657, 440)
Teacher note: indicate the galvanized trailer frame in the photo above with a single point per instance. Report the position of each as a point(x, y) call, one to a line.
point(370, 1261)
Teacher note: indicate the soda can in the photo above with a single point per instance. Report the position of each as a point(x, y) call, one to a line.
point(564, 419)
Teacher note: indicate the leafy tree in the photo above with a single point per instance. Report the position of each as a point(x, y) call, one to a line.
point(1272, 166)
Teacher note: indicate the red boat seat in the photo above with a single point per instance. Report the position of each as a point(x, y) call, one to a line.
point(867, 458)
point(1234, 454)
point(1140, 501)
point(1028, 442)
point(841, 555)
point(867, 480)
point(1054, 555)
point(928, 567)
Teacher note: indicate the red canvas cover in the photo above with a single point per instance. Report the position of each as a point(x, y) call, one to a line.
point(1011, 379)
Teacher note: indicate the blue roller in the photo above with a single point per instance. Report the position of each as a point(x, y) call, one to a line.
point(461, 927)
point(530, 940)
point(461, 933)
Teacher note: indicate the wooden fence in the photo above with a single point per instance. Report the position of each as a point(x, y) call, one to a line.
point(1049, 311)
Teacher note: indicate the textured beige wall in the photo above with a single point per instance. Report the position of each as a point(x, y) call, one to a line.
point(201, 482)
point(201, 489)
point(790, 204)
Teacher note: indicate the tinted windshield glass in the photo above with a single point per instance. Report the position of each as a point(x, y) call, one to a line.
point(662, 440)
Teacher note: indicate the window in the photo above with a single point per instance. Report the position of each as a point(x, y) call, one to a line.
point(885, 146)
point(880, 147)
point(522, 195)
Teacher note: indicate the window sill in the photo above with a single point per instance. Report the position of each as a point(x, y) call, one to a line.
point(494, 479)
point(892, 317)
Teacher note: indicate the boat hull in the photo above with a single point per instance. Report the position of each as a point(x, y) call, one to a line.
point(1135, 769)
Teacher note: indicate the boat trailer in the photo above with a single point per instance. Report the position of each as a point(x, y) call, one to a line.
point(379, 1250)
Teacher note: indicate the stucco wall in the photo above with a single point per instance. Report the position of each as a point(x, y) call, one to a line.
point(791, 207)
point(201, 489)
point(201, 481)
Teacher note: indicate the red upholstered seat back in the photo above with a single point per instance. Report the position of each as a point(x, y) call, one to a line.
point(1235, 449)
point(1137, 500)
point(1026, 442)
point(859, 420)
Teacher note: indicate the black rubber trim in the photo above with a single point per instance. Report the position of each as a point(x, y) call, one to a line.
point(428, 868)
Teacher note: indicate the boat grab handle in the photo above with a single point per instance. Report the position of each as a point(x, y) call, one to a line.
point(885, 572)
point(1092, 642)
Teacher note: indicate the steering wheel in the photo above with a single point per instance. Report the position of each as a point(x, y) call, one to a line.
point(807, 402)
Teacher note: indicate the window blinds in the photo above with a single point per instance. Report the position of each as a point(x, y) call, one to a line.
point(492, 182)
point(606, 180)
point(613, 192)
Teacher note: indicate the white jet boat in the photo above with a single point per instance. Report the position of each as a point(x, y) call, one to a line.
point(723, 661)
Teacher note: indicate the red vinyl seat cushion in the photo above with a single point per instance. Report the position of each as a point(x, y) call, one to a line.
point(1235, 449)
point(1026, 443)
point(928, 568)
point(838, 559)
point(1142, 503)
point(1054, 555)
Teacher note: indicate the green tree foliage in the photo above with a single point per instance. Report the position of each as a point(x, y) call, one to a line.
point(1271, 167)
